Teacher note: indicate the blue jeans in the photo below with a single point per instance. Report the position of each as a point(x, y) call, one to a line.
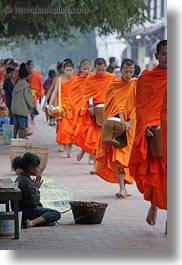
point(49, 215)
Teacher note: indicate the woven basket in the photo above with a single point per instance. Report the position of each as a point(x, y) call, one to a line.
point(41, 151)
point(88, 212)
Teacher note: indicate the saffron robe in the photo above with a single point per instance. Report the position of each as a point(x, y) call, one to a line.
point(147, 170)
point(163, 118)
point(64, 130)
point(76, 97)
point(120, 98)
point(35, 81)
point(87, 132)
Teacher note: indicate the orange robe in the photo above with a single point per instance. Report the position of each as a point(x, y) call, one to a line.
point(76, 97)
point(36, 85)
point(64, 131)
point(120, 97)
point(163, 118)
point(87, 132)
point(146, 169)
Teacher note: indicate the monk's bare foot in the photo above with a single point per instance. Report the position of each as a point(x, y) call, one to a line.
point(70, 155)
point(128, 194)
point(60, 148)
point(27, 224)
point(121, 194)
point(90, 160)
point(152, 215)
point(80, 155)
point(64, 155)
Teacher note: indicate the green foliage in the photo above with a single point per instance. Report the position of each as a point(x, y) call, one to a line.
point(47, 53)
point(55, 19)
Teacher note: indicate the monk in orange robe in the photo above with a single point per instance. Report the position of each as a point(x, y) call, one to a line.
point(59, 74)
point(75, 92)
point(146, 167)
point(112, 162)
point(64, 131)
point(7, 63)
point(35, 81)
point(76, 95)
point(87, 132)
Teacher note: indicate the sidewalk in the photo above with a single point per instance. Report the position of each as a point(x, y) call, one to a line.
point(123, 228)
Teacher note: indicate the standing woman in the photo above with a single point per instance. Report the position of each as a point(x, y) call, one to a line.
point(22, 103)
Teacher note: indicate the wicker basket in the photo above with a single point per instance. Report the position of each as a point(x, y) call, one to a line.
point(41, 151)
point(88, 212)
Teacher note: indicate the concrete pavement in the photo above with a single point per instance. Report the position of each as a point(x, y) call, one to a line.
point(123, 230)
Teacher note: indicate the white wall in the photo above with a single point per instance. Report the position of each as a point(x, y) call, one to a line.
point(108, 46)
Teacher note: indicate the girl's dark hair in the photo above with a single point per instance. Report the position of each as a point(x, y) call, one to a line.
point(28, 160)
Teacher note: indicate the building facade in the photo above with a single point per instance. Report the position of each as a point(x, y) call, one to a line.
point(140, 43)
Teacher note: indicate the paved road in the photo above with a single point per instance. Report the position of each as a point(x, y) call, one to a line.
point(123, 230)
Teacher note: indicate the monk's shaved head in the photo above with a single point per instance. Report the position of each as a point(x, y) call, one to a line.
point(85, 62)
point(100, 61)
